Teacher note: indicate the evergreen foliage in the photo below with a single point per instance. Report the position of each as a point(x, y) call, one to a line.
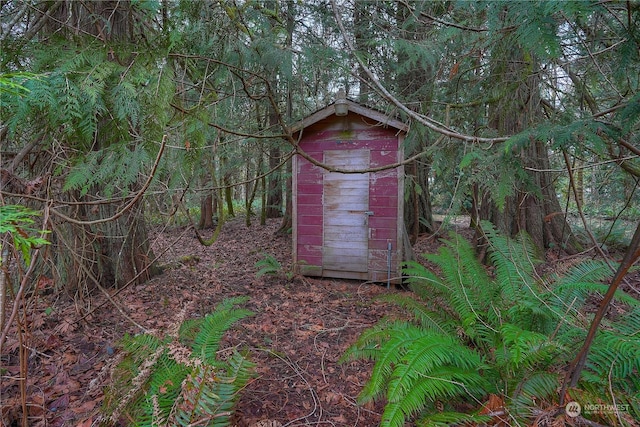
point(472, 334)
point(180, 379)
point(268, 265)
point(18, 222)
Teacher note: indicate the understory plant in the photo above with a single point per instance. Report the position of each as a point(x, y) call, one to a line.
point(488, 344)
point(269, 265)
point(180, 379)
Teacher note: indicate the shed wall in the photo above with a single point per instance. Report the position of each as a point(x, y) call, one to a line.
point(385, 197)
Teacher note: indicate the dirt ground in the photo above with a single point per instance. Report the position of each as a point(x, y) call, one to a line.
point(300, 329)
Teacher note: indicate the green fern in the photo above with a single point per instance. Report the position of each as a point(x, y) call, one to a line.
point(180, 380)
point(415, 368)
point(472, 334)
point(268, 265)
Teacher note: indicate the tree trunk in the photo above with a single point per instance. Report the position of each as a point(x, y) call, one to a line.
point(274, 190)
point(206, 212)
point(287, 219)
point(263, 200)
point(88, 252)
point(533, 207)
point(362, 34)
point(109, 254)
point(418, 215)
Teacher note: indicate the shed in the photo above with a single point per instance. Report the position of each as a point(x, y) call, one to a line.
point(348, 224)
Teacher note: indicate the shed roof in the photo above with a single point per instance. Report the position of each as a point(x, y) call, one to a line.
point(354, 107)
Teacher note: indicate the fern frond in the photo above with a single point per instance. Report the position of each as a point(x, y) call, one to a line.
point(428, 318)
point(417, 274)
point(465, 285)
point(214, 326)
point(210, 394)
point(441, 384)
point(530, 391)
point(163, 388)
point(514, 329)
point(181, 388)
point(522, 349)
point(386, 357)
point(614, 356)
point(367, 346)
point(514, 260)
point(425, 355)
point(268, 265)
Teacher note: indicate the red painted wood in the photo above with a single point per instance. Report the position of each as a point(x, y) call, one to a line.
point(325, 199)
point(377, 222)
point(309, 252)
point(384, 211)
point(315, 220)
point(383, 244)
point(304, 188)
point(309, 200)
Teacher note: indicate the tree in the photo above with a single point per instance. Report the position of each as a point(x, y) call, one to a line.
point(484, 54)
point(89, 128)
point(530, 203)
point(414, 71)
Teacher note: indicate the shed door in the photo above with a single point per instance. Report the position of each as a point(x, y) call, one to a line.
point(345, 212)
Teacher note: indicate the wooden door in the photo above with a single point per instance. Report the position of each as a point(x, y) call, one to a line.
point(345, 213)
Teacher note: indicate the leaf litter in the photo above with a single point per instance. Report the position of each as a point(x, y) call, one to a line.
point(300, 329)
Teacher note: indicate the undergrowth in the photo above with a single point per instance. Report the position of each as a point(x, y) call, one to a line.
point(488, 345)
point(179, 379)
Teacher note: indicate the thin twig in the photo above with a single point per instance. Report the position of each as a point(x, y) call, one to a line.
point(129, 205)
point(26, 278)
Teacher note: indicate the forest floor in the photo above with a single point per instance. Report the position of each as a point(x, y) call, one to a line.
point(300, 329)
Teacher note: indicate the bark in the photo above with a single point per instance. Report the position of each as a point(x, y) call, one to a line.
point(109, 254)
point(361, 21)
point(287, 219)
point(206, 212)
point(274, 190)
point(418, 215)
point(106, 20)
point(86, 252)
point(533, 207)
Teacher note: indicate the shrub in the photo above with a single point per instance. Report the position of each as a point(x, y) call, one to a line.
point(180, 379)
point(474, 337)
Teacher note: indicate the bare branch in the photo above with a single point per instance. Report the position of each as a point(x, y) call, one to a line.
point(129, 205)
point(422, 119)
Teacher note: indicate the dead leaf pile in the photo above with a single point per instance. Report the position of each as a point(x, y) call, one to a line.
point(300, 329)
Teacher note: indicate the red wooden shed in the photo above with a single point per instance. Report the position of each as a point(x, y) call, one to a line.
point(348, 225)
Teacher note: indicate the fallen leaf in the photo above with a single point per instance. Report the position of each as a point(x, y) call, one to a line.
point(85, 423)
point(60, 403)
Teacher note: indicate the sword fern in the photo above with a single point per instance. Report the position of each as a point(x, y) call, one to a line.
point(504, 331)
point(180, 379)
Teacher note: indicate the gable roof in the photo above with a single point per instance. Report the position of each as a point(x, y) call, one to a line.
point(353, 107)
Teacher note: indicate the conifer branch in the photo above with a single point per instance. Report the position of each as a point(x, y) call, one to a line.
point(422, 119)
point(129, 205)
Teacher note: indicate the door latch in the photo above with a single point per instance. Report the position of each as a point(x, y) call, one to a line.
point(367, 214)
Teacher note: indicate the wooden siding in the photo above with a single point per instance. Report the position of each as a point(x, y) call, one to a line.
point(333, 237)
point(345, 203)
